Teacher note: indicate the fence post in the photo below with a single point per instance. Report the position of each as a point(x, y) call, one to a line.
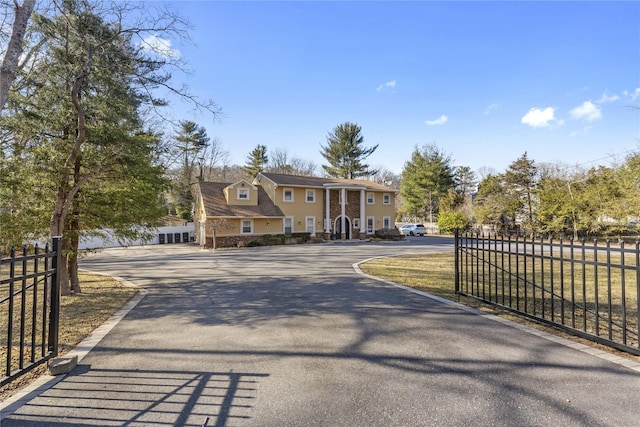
point(456, 269)
point(54, 310)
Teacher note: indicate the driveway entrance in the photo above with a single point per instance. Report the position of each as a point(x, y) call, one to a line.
point(292, 336)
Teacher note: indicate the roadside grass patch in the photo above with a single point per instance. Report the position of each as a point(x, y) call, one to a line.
point(80, 314)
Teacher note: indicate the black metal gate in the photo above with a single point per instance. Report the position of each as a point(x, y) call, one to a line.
point(29, 309)
point(591, 290)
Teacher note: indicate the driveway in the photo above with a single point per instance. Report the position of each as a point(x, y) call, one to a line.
point(293, 336)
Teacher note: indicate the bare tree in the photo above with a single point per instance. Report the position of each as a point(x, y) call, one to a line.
point(281, 162)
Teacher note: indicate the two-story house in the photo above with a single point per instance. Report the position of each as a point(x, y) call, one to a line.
point(285, 204)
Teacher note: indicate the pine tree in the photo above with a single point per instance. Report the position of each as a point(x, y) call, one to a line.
point(256, 161)
point(345, 153)
point(191, 142)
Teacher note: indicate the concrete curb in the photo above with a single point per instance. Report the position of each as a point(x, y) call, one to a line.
point(45, 382)
point(627, 363)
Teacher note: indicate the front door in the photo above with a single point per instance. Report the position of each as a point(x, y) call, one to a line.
point(347, 227)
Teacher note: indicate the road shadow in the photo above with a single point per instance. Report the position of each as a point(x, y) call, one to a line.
point(105, 397)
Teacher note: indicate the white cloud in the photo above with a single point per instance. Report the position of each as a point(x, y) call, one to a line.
point(490, 109)
point(160, 46)
point(539, 118)
point(607, 98)
point(633, 95)
point(587, 111)
point(439, 121)
point(388, 85)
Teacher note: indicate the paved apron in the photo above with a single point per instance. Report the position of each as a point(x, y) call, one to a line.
point(292, 336)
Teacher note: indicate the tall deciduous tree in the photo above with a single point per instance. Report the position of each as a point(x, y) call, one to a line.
point(281, 162)
point(256, 161)
point(426, 177)
point(346, 153)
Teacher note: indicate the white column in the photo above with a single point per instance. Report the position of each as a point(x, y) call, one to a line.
point(342, 209)
point(327, 212)
point(363, 215)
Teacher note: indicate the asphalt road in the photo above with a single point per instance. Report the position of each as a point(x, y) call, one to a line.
point(293, 336)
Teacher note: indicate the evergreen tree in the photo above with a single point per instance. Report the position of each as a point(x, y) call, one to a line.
point(256, 161)
point(76, 124)
point(426, 177)
point(345, 153)
point(521, 180)
point(191, 142)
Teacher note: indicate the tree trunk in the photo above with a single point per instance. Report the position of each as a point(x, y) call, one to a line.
point(14, 48)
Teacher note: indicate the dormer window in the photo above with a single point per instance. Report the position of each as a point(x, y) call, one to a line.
point(243, 194)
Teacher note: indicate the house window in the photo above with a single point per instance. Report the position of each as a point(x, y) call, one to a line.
point(243, 194)
point(287, 195)
point(311, 196)
point(288, 225)
point(386, 199)
point(310, 222)
point(247, 226)
point(356, 223)
point(386, 222)
point(370, 224)
point(370, 198)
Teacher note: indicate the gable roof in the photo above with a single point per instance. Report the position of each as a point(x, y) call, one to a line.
point(312, 181)
point(215, 204)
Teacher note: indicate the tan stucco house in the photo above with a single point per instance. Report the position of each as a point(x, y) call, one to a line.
point(286, 204)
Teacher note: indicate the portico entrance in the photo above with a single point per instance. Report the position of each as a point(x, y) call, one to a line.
point(339, 229)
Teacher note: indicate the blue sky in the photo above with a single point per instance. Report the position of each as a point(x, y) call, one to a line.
point(484, 81)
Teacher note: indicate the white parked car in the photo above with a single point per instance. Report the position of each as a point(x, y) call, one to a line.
point(413, 230)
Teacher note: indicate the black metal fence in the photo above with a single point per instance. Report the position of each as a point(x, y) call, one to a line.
point(29, 309)
point(590, 289)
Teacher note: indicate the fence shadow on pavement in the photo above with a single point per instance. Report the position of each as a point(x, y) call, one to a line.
point(143, 397)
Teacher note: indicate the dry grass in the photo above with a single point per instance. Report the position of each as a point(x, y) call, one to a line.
point(80, 314)
point(434, 273)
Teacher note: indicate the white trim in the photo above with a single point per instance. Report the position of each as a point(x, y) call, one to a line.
point(311, 219)
point(284, 224)
point(284, 194)
point(307, 192)
point(388, 220)
point(243, 190)
point(373, 224)
point(386, 196)
point(242, 222)
point(373, 198)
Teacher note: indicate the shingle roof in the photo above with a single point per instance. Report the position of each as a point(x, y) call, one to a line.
point(215, 204)
point(312, 181)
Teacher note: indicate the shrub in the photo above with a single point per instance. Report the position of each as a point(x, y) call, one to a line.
point(388, 234)
point(449, 221)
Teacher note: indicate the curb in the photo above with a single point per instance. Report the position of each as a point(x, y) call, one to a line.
point(47, 381)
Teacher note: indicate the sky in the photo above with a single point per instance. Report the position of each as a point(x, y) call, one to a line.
point(485, 82)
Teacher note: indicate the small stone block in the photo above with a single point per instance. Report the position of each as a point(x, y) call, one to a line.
point(63, 365)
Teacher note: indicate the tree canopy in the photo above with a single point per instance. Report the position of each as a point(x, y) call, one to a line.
point(426, 177)
point(256, 161)
point(346, 153)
